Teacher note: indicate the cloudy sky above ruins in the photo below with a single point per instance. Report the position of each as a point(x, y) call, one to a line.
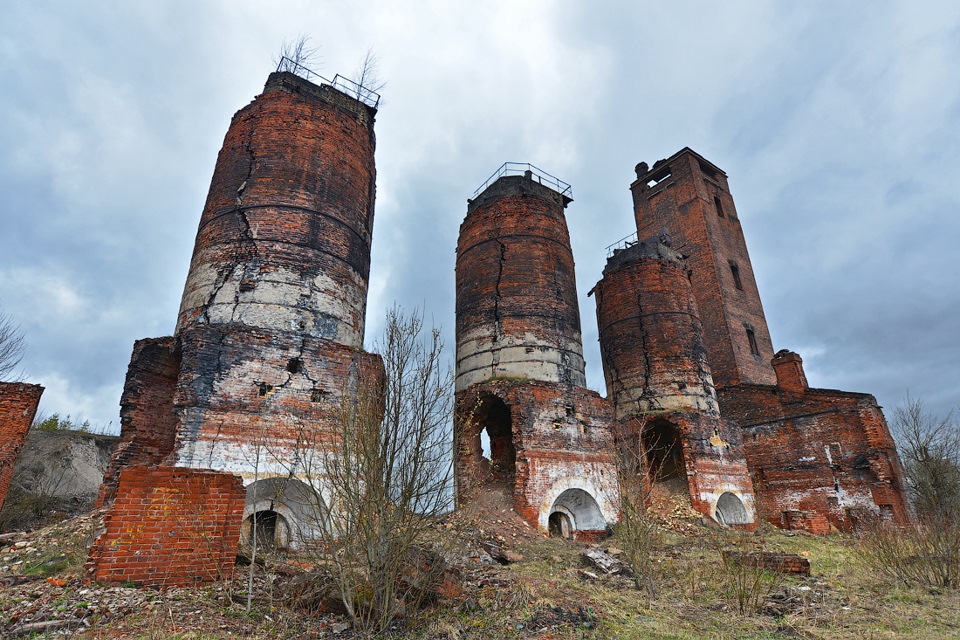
point(838, 124)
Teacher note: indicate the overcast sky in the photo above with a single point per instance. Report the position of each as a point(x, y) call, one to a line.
point(837, 123)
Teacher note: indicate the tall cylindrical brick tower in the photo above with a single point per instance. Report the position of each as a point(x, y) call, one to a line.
point(284, 239)
point(651, 339)
point(517, 313)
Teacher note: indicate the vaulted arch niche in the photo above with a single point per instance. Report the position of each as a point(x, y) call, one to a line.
point(663, 449)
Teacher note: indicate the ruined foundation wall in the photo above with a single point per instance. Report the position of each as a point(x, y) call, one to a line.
point(818, 458)
point(683, 199)
point(253, 402)
point(18, 407)
point(169, 527)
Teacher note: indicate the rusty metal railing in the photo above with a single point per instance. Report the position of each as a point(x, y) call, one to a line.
point(534, 173)
point(345, 85)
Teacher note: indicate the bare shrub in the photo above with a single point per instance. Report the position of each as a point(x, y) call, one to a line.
point(297, 56)
point(385, 479)
point(926, 552)
point(744, 577)
point(636, 531)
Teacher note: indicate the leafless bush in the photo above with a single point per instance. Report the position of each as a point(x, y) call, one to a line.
point(385, 479)
point(926, 552)
point(636, 531)
point(744, 577)
point(297, 56)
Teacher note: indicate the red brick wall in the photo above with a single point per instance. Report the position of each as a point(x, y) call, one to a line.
point(169, 527)
point(147, 421)
point(517, 311)
point(684, 204)
point(651, 340)
point(563, 439)
point(18, 406)
point(284, 239)
point(817, 458)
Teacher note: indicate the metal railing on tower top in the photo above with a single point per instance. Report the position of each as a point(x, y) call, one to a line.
point(344, 85)
point(623, 243)
point(534, 173)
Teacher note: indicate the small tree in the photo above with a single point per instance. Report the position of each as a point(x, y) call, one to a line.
point(12, 346)
point(385, 473)
point(930, 447)
point(636, 531)
point(926, 552)
point(297, 56)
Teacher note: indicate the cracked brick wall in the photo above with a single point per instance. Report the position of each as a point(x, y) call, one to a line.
point(690, 198)
point(517, 314)
point(270, 330)
point(520, 368)
point(818, 457)
point(658, 377)
point(169, 527)
point(18, 407)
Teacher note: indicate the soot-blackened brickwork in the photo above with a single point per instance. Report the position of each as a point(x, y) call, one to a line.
point(520, 370)
point(659, 380)
point(169, 527)
point(270, 331)
point(18, 407)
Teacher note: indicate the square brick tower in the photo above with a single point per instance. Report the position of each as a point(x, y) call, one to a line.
point(690, 197)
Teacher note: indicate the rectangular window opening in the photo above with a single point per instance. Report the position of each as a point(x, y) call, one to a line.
point(752, 339)
point(716, 203)
point(735, 270)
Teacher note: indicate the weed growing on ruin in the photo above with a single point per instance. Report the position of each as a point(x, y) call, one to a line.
point(744, 577)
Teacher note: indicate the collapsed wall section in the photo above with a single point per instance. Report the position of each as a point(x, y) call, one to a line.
point(18, 408)
point(148, 424)
point(169, 527)
point(819, 458)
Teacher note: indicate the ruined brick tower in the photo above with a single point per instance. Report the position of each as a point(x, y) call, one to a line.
point(271, 323)
point(659, 380)
point(818, 458)
point(690, 197)
point(520, 370)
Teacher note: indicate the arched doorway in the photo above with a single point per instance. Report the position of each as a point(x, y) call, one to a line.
point(730, 510)
point(281, 514)
point(493, 440)
point(663, 450)
point(575, 511)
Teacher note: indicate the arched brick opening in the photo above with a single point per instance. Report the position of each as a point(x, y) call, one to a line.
point(730, 510)
point(664, 453)
point(573, 511)
point(285, 513)
point(492, 444)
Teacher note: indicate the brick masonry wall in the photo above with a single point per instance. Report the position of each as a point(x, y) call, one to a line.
point(517, 312)
point(18, 407)
point(254, 402)
point(147, 422)
point(684, 204)
point(651, 340)
point(818, 458)
point(284, 239)
point(169, 527)
point(563, 440)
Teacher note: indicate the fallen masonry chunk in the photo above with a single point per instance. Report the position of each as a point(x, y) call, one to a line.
point(501, 555)
point(605, 562)
point(781, 562)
